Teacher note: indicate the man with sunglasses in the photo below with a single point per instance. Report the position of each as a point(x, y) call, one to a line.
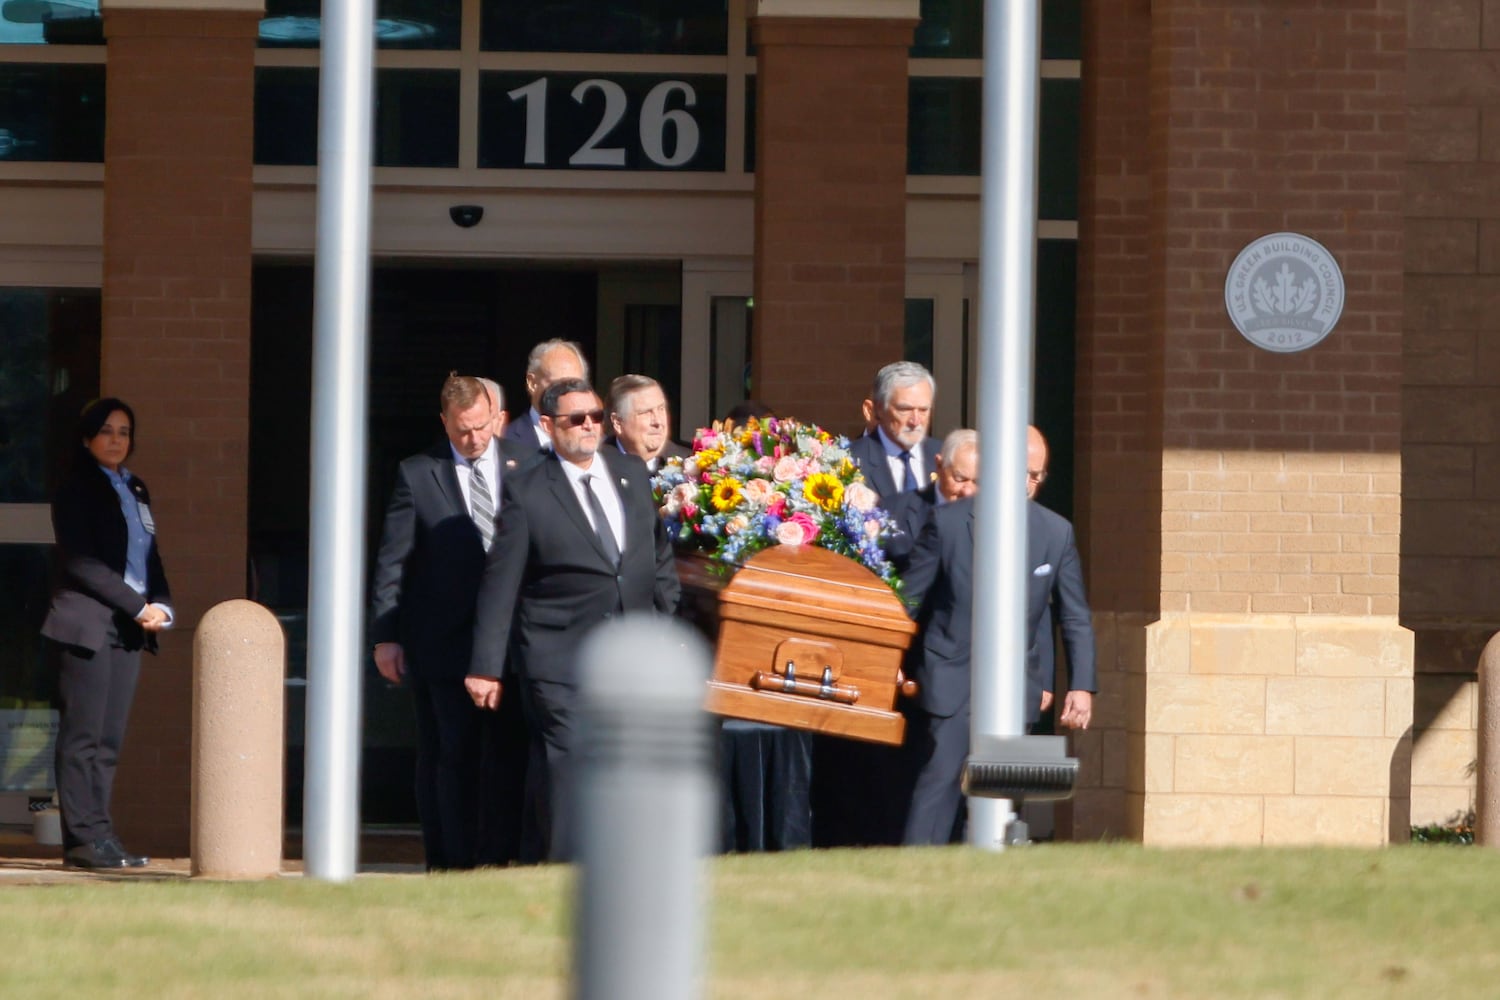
point(579, 543)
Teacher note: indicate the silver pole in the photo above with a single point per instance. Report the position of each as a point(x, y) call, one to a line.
point(335, 641)
point(646, 795)
point(1007, 313)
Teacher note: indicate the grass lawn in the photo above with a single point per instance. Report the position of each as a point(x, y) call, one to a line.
point(1064, 920)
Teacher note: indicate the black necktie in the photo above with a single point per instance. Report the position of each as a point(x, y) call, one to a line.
point(911, 472)
point(601, 522)
point(481, 506)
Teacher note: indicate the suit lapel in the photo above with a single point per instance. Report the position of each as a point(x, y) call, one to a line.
point(447, 481)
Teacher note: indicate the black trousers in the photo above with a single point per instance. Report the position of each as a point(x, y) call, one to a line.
point(95, 690)
point(449, 729)
point(939, 746)
point(504, 750)
point(548, 827)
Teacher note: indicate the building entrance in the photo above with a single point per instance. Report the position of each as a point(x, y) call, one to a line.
point(425, 321)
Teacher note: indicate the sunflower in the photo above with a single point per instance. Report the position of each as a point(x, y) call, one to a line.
point(824, 490)
point(727, 494)
point(707, 457)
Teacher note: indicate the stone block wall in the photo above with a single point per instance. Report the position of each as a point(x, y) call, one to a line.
point(1450, 448)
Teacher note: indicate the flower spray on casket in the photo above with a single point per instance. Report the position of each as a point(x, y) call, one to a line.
point(773, 482)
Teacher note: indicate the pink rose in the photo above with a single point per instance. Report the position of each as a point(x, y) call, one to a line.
point(707, 438)
point(764, 465)
point(689, 510)
point(806, 523)
point(776, 506)
point(789, 532)
point(787, 468)
point(858, 496)
point(759, 492)
point(736, 524)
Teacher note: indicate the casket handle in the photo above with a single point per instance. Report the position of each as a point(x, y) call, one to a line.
point(905, 685)
point(790, 683)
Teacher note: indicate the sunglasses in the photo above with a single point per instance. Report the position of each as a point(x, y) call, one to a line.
point(579, 419)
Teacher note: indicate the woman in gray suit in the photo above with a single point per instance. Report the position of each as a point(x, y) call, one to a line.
point(110, 603)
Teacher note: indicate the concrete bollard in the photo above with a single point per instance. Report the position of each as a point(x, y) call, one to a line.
point(646, 811)
point(1487, 771)
point(239, 742)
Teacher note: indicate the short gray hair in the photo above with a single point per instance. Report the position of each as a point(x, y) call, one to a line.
point(957, 441)
point(899, 375)
point(494, 388)
point(540, 351)
point(626, 386)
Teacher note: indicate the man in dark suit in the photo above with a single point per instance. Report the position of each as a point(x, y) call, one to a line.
point(861, 790)
point(579, 543)
point(642, 421)
point(940, 582)
point(957, 477)
point(548, 362)
point(438, 526)
point(898, 455)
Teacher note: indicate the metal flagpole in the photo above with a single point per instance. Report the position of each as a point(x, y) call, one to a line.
point(1007, 311)
point(340, 364)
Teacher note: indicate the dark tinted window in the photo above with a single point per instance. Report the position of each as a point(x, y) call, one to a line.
point(52, 112)
point(677, 27)
point(49, 368)
point(416, 117)
point(399, 24)
point(943, 136)
point(954, 29)
point(37, 22)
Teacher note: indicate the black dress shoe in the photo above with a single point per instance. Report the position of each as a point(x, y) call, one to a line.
point(131, 860)
point(99, 854)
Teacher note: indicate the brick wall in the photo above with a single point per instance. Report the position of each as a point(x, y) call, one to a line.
point(830, 211)
point(1450, 545)
point(176, 344)
point(1281, 485)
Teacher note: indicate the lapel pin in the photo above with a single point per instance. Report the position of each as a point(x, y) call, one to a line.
point(510, 463)
point(624, 481)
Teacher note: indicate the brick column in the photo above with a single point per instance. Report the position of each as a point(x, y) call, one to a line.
point(1272, 700)
point(177, 196)
point(1118, 487)
point(830, 201)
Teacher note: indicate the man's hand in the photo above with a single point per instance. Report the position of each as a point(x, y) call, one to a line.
point(484, 690)
point(1077, 710)
point(390, 660)
point(1046, 700)
point(152, 618)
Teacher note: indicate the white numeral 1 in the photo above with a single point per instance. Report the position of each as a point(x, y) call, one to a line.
point(535, 96)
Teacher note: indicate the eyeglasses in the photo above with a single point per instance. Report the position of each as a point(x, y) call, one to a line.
point(579, 419)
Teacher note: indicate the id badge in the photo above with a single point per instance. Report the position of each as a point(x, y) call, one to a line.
point(147, 521)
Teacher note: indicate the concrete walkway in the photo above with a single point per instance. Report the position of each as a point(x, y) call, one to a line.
point(24, 862)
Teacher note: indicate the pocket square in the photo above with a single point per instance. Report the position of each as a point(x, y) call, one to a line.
point(1043, 570)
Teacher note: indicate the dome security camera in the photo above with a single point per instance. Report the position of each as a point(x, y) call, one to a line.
point(466, 216)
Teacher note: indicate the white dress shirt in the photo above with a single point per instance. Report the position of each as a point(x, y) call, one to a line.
point(487, 465)
point(897, 464)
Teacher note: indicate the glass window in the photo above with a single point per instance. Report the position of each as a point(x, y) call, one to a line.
point(917, 342)
point(670, 27)
point(399, 24)
point(51, 22)
point(52, 112)
point(731, 325)
point(653, 345)
point(614, 121)
point(954, 29)
point(27, 681)
point(49, 369)
point(943, 136)
point(416, 117)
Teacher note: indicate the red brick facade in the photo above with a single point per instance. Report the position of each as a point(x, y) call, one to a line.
point(177, 197)
point(830, 210)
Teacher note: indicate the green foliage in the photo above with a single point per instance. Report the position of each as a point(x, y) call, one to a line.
point(1456, 829)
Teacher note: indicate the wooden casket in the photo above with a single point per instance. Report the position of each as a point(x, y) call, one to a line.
point(808, 639)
